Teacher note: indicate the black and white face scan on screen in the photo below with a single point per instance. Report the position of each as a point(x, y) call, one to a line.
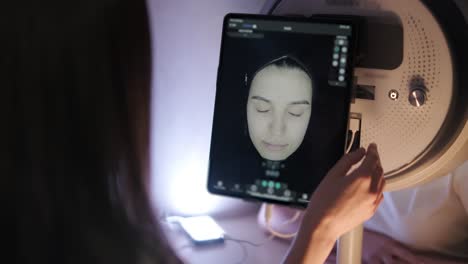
point(282, 106)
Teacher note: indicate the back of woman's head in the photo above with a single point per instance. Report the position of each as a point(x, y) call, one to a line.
point(77, 84)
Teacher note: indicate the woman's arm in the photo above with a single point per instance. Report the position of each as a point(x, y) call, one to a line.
point(342, 201)
point(312, 244)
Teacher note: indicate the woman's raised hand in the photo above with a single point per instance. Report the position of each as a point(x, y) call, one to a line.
point(345, 198)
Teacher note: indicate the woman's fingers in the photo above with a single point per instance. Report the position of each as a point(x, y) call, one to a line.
point(371, 160)
point(377, 180)
point(381, 186)
point(368, 166)
point(378, 173)
point(346, 162)
point(378, 201)
point(371, 168)
point(382, 182)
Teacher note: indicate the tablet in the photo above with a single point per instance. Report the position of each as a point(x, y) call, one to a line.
point(281, 107)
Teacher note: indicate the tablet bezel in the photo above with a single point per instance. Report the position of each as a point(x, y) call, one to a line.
point(353, 22)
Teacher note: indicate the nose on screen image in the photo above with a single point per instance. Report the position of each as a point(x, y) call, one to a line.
point(279, 107)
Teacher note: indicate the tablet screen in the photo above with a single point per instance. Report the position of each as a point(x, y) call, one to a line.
point(282, 106)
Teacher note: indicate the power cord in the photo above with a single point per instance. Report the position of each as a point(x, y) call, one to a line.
point(242, 243)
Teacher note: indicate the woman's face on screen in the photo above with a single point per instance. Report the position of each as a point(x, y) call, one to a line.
point(278, 110)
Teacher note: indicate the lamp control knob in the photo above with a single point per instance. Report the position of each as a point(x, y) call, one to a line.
point(417, 97)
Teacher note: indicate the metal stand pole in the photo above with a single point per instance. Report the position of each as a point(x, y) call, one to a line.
point(350, 247)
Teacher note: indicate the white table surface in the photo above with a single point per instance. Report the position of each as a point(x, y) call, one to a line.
point(242, 227)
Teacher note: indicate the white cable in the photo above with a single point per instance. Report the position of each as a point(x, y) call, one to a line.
point(354, 127)
point(351, 142)
point(240, 242)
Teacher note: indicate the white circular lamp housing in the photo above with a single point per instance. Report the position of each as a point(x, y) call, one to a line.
point(418, 140)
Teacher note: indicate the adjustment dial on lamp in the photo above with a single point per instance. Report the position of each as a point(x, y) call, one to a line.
point(417, 97)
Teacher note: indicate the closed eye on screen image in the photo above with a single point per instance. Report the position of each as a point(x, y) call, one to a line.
point(296, 115)
point(291, 113)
